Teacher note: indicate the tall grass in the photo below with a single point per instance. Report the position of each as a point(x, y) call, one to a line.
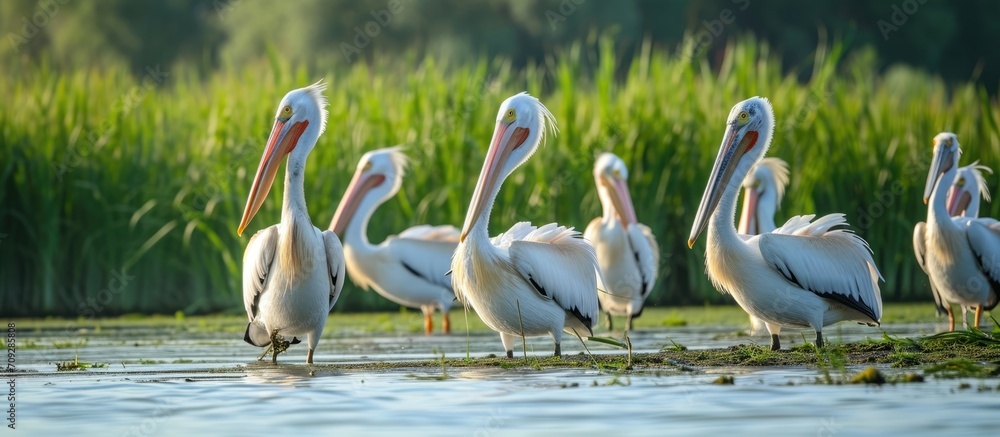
point(156, 197)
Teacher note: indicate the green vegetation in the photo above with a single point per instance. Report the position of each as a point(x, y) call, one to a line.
point(120, 198)
point(76, 364)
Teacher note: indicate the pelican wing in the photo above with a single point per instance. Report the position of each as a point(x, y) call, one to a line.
point(560, 265)
point(258, 259)
point(920, 250)
point(429, 260)
point(434, 233)
point(834, 264)
point(335, 265)
point(647, 255)
point(984, 239)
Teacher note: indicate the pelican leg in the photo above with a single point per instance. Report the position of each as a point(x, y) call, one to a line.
point(266, 351)
point(979, 314)
point(508, 344)
point(628, 323)
point(775, 342)
point(278, 345)
point(951, 319)
point(610, 325)
point(446, 322)
point(558, 351)
point(819, 340)
point(428, 324)
point(309, 357)
point(965, 318)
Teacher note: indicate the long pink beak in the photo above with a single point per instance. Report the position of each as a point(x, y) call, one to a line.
point(360, 185)
point(279, 145)
point(748, 219)
point(490, 175)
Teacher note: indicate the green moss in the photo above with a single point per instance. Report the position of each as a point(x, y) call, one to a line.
point(870, 375)
point(724, 380)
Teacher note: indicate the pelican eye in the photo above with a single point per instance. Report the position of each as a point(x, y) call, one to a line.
point(743, 117)
point(510, 116)
point(286, 112)
point(368, 166)
point(960, 182)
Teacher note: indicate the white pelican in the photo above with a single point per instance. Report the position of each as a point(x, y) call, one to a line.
point(801, 274)
point(961, 255)
point(762, 192)
point(963, 200)
point(408, 269)
point(292, 272)
point(626, 249)
point(528, 281)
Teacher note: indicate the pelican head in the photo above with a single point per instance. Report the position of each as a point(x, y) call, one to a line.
point(965, 191)
point(611, 176)
point(522, 122)
point(377, 178)
point(301, 119)
point(763, 187)
point(946, 154)
point(748, 135)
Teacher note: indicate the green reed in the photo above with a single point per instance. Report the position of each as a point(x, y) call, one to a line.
point(115, 197)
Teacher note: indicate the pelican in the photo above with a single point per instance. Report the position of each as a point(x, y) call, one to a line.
point(961, 255)
point(802, 274)
point(963, 200)
point(408, 269)
point(528, 281)
point(626, 249)
point(292, 272)
point(762, 192)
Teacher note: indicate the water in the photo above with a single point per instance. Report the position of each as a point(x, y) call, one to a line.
point(218, 387)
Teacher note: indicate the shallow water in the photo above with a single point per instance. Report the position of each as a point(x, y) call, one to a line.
point(210, 382)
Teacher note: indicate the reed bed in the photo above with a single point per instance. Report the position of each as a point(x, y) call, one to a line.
point(122, 194)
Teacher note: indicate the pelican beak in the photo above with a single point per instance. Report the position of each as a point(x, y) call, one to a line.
point(284, 137)
point(734, 145)
point(748, 219)
point(504, 141)
point(942, 162)
point(958, 201)
point(622, 200)
point(360, 185)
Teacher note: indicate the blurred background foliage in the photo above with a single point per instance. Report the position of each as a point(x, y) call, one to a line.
point(949, 38)
point(121, 187)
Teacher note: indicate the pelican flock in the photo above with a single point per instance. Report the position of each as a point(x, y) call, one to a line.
point(961, 255)
point(626, 249)
point(292, 272)
point(550, 280)
point(409, 268)
point(762, 192)
point(528, 281)
point(804, 273)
